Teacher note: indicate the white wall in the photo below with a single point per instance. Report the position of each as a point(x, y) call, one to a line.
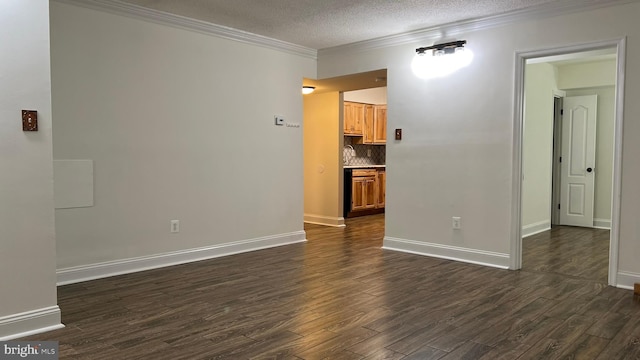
point(537, 147)
point(27, 259)
point(587, 75)
point(180, 126)
point(455, 158)
point(376, 96)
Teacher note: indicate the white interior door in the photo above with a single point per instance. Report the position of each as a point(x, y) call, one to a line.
point(578, 160)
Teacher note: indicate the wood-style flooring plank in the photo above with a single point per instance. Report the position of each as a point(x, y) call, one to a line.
point(468, 351)
point(586, 347)
point(426, 353)
point(625, 344)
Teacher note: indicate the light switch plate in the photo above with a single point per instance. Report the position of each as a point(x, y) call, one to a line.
point(398, 134)
point(279, 120)
point(29, 120)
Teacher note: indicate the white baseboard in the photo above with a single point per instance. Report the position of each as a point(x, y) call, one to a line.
point(30, 323)
point(125, 266)
point(627, 279)
point(324, 220)
point(536, 228)
point(602, 224)
point(473, 256)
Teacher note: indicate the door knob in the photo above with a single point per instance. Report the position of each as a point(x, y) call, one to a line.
point(589, 170)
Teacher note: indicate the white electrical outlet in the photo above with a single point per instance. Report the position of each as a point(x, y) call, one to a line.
point(175, 226)
point(368, 152)
point(456, 222)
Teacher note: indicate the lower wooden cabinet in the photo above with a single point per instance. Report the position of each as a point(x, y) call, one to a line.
point(367, 189)
point(381, 187)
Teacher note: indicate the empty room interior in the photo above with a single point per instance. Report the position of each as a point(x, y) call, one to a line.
point(312, 180)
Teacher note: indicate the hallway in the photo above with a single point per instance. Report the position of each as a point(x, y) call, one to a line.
point(571, 251)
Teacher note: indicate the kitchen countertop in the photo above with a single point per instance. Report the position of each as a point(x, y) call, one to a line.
point(363, 166)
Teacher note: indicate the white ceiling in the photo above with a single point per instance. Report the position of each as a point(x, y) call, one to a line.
point(320, 24)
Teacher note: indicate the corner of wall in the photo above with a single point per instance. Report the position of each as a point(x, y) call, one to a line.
point(324, 220)
point(626, 279)
point(30, 323)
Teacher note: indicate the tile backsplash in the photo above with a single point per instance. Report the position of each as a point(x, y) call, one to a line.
point(378, 153)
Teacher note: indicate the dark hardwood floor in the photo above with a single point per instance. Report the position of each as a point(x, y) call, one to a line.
point(571, 251)
point(339, 296)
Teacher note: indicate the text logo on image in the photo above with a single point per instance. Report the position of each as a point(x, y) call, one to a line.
point(36, 350)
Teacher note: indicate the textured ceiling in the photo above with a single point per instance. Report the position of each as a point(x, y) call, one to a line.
point(320, 24)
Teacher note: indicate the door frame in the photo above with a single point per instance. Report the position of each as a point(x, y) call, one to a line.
point(515, 252)
point(558, 98)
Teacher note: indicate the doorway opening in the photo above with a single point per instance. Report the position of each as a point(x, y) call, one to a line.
point(364, 151)
point(337, 117)
point(566, 183)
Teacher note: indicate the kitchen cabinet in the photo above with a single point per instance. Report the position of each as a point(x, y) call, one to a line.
point(375, 124)
point(381, 188)
point(380, 124)
point(367, 189)
point(368, 124)
point(364, 190)
point(353, 115)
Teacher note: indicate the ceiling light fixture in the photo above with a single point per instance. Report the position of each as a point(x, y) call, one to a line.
point(445, 48)
point(446, 58)
point(308, 89)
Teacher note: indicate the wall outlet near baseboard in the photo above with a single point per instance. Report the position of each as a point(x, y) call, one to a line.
point(456, 223)
point(175, 226)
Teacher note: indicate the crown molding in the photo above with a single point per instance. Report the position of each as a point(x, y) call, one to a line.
point(456, 28)
point(160, 17)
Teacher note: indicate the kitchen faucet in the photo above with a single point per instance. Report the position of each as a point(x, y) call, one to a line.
point(348, 155)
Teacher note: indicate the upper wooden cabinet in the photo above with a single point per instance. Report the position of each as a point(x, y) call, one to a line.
point(366, 120)
point(375, 124)
point(380, 124)
point(353, 118)
point(368, 127)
